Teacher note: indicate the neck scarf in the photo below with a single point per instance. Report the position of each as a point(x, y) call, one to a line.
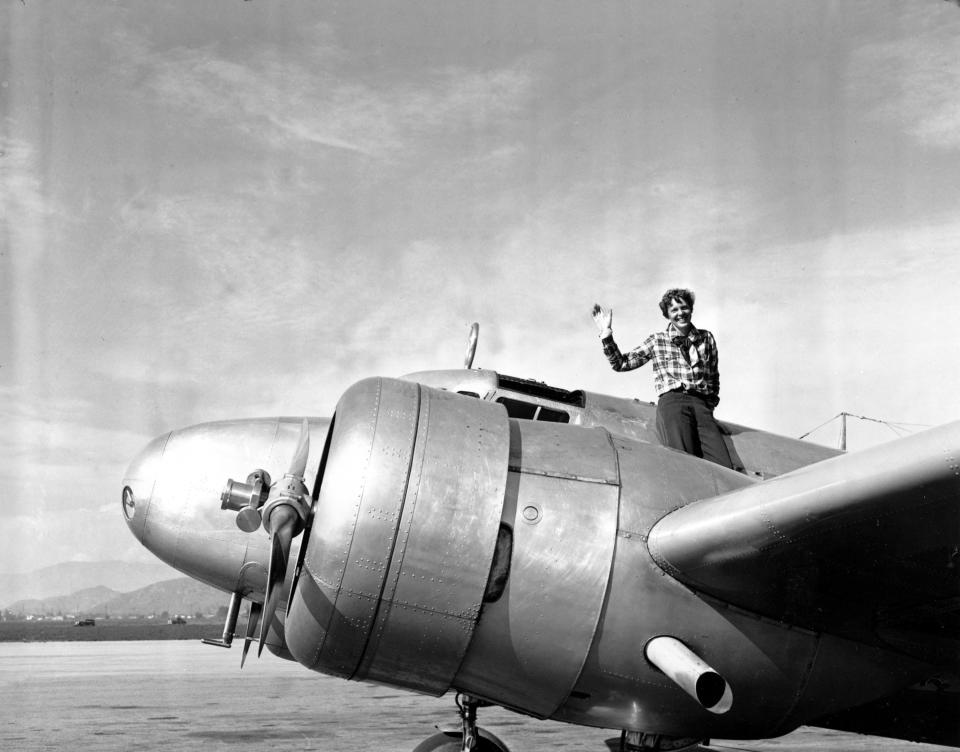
point(687, 344)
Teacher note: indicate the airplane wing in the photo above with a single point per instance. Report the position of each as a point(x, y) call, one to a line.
point(864, 546)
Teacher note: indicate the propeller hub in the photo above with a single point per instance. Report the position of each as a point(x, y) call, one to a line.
point(290, 493)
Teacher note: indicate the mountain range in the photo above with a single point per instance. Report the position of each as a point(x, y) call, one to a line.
point(111, 587)
point(179, 596)
point(69, 577)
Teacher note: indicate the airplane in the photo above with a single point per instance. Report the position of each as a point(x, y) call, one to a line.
point(537, 548)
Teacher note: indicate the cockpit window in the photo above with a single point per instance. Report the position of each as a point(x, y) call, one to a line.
point(532, 411)
point(553, 416)
point(544, 391)
point(518, 409)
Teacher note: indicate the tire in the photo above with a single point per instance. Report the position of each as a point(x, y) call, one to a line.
point(450, 741)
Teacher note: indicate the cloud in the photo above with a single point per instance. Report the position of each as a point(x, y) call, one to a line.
point(848, 322)
point(38, 538)
point(21, 191)
point(220, 266)
point(56, 440)
point(25, 205)
point(913, 81)
point(270, 97)
point(31, 224)
point(590, 237)
point(61, 479)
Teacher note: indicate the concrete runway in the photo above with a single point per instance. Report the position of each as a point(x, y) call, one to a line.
point(181, 695)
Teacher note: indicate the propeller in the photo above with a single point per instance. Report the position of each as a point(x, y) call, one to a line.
point(284, 516)
point(285, 505)
point(252, 620)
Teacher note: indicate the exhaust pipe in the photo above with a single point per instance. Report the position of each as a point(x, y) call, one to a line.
point(691, 674)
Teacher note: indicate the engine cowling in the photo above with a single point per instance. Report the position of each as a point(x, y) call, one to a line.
point(403, 536)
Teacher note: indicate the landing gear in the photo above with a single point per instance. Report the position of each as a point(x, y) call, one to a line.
point(468, 738)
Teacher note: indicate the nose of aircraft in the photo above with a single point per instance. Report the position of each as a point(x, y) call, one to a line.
point(171, 496)
point(138, 483)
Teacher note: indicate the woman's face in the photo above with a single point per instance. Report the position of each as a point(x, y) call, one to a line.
point(679, 313)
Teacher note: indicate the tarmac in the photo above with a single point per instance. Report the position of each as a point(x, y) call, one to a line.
point(181, 695)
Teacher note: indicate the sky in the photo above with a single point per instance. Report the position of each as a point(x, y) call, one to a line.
point(232, 209)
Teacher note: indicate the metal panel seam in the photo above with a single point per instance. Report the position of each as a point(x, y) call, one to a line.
point(802, 685)
point(396, 534)
point(472, 626)
point(356, 517)
point(563, 476)
point(606, 588)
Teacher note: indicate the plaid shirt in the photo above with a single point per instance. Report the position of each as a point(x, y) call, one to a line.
point(698, 372)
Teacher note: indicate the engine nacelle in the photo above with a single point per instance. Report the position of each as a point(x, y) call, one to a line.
point(403, 536)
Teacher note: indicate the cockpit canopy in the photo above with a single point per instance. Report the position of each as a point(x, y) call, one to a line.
point(523, 398)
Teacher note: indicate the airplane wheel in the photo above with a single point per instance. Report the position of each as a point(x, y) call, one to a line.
point(451, 741)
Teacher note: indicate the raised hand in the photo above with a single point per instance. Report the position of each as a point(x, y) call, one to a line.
point(603, 318)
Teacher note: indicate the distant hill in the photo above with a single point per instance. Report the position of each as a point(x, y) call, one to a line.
point(71, 577)
point(178, 596)
point(81, 601)
point(183, 595)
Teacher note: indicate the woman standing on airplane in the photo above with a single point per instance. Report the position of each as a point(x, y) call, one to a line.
point(686, 376)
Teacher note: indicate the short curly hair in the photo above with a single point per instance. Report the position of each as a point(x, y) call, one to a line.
point(676, 293)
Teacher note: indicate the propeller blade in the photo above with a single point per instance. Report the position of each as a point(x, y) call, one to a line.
point(299, 465)
point(282, 522)
point(308, 524)
point(252, 620)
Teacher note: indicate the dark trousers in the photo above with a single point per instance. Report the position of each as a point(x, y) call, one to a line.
point(685, 421)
